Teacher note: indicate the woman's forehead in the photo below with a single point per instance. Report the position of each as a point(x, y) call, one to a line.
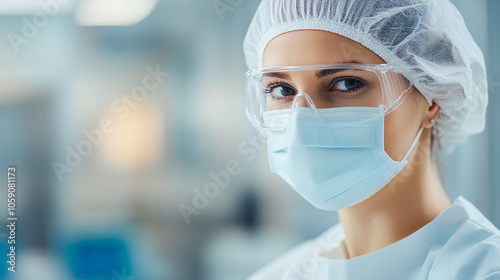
point(307, 47)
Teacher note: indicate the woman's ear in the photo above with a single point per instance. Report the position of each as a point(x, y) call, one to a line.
point(431, 115)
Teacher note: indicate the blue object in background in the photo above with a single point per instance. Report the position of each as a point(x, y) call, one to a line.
point(99, 258)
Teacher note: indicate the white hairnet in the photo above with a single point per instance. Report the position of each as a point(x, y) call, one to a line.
point(425, 40)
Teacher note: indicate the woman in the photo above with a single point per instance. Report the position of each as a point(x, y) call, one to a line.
point(357, 98)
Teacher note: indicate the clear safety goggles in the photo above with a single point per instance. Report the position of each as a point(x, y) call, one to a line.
point(281, 88)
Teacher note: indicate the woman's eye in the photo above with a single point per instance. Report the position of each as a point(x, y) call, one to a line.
point(347, 84)
point(280, 91)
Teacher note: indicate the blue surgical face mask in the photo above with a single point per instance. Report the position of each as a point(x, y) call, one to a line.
point(334, 162)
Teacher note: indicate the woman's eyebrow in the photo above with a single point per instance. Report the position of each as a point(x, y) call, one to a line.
point(279, 75)
point(319, 74)
point(326, 72)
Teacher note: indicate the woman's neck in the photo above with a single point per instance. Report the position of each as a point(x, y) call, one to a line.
point(407, 203)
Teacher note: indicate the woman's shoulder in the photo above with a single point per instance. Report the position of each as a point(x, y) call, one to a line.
point(279, 268)
point(473, 251)
point(292, 262)
point(474, 246)
point(474, 226)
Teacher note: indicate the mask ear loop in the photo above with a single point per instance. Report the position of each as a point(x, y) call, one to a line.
point(415, 141)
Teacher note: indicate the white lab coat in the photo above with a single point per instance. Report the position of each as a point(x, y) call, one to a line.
point(460, 243)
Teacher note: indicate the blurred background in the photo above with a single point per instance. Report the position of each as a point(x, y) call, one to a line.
point(134, 160)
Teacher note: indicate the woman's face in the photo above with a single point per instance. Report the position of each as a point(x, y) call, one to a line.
point(308, 47)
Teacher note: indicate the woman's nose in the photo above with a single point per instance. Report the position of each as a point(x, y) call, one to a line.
point(303, 99)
